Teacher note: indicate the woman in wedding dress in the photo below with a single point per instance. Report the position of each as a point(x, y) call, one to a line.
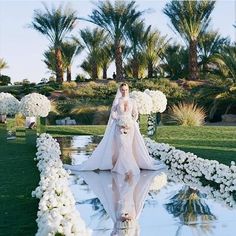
point(122, 148)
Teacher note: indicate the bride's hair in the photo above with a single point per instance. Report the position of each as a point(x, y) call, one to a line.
point(123, 84)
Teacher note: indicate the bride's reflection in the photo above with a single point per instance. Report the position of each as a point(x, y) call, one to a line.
point(123, 196)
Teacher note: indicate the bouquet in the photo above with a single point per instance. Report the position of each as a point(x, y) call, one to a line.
point(124, 122)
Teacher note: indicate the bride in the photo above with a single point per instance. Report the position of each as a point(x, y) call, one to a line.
point(122, 148)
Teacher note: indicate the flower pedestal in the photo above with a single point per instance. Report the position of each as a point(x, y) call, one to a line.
point(3, 119)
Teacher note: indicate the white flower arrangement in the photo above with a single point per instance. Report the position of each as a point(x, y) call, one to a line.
point(57, 212)
point(35, 104)
point(159, 101)
point(188, 166)
point(124, 122)
point(9, 105)
point(144, 102)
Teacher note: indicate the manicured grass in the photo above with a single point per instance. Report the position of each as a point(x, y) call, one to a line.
point(211, 142)
point(64, 130)
point(19, 176)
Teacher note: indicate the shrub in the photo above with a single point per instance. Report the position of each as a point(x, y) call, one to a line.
point(64, 106)
point(20, 120)
point(5, 80)
point(69, 85)
point(101, 116)
point(185, 115)
point(46, 90)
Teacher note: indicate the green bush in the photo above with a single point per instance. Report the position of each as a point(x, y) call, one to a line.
point(5, 80)
point(69, 85)
point(46, 90)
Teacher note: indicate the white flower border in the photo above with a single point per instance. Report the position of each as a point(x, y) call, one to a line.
point(190, 169)
point(57, 211)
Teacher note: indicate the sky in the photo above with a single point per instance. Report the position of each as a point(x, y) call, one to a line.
point(22, 47)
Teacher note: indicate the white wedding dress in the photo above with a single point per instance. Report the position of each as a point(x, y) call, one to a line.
point(118, 151)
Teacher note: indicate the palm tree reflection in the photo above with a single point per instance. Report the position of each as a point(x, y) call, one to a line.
point(188, 204)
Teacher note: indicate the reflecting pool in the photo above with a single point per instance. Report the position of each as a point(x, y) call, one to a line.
point(153, 203)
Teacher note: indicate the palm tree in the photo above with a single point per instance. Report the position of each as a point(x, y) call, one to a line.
point(69, 51)
point(116, 19)
point(86, 66)
point(174, 62)
point(105, 58)
point(55, 25)
point(94, 41)
point(50, 60)
point(3, 65)
point(190, 19)
point(226, 60)
point(210, 45)
point(137, 35)
point(154, 48)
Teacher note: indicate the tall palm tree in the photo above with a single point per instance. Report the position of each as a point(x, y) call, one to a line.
point(105, 58)
point(55, 24)
point(209, 45)
point(137, 35)
point(154, 48)
point(50, 60)
point(190, 19)
point(3, 65)
point(174, 62)
point(94, 40)
point(116, 19)
point(69, 51)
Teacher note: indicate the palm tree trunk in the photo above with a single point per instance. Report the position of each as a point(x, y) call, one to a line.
point(104, 72)
point(118, 61)
point(135, 68)
point(59, 70)
point(193, 66)
point(150, 70)
point(68, 73)
point(94, 71)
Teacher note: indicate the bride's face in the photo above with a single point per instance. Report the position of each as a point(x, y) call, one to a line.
point(124, 90)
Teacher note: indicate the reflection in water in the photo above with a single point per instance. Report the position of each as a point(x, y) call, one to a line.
point(190, 207)
point(188, 204)
point(66, 150)
point(194, 206)
point(122, 197)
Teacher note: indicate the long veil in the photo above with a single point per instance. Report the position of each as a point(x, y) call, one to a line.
point(101, 157)
point(110, 120)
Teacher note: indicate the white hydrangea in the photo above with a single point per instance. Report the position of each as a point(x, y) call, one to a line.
point(9, 105)
point(159, 101)
point(35, 104)
point(190, 169)
point(144, 102)
point(57, 211)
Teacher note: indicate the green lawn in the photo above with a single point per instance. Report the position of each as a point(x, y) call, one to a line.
point(211, 142)
point(19, 176)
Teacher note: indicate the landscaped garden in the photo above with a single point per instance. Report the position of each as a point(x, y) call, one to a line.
point(186, 100)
